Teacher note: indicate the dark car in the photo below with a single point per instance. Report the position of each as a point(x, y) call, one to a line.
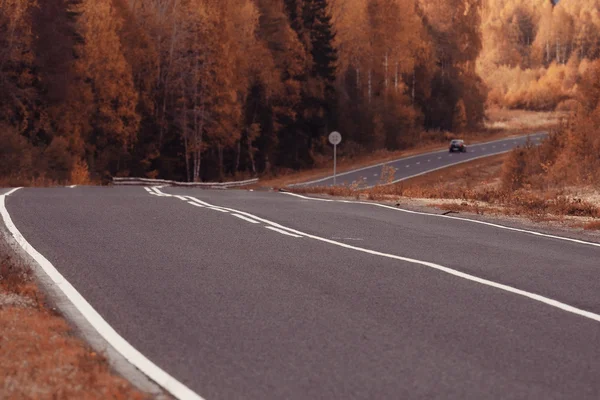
point(458, 145)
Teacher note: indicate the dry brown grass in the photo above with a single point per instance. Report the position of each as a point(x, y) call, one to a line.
point(40, 358)
point(522, 120)
point(592, 226)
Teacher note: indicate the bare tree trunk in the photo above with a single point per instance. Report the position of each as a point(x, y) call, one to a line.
point(166, 79)
point(251, 153)
point(386, 71)
point(414, 85)
point(186, 144)
point(220, 154)
point(370, 86)
point(238, 155)
point(396, 78)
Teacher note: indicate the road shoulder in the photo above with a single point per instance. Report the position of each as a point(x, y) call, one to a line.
point(56, 303)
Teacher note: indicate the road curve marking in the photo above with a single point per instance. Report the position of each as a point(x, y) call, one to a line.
point(508, 228)
point(131, 354)
point(283, 232)
point(245, 218)
point(450, 271)
point(11, 191)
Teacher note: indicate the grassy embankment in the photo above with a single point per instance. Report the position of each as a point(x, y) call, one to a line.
point(40, 356)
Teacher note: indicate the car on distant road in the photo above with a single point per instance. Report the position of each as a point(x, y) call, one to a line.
point(458, 145)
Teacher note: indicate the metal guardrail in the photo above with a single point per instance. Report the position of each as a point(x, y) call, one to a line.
point(147, 181)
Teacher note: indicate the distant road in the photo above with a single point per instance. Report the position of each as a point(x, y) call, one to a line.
point(265, 295)
point(409, 167)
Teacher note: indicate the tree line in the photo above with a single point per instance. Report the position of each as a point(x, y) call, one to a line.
point(536, 53)
point(217, 89)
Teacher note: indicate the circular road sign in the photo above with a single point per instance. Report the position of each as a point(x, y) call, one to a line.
point(335, 138)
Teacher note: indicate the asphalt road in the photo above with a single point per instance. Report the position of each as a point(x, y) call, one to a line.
point(269, 296)
point(409, 167)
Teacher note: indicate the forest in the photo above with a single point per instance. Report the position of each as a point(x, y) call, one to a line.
point(198, 90)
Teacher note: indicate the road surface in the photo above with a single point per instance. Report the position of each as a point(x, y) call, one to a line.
point(263, 295)
point(409, 167)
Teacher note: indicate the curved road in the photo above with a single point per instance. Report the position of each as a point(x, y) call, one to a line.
point(262, 295)
point(410, 167)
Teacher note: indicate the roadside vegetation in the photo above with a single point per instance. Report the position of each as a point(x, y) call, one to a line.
point(40, 356)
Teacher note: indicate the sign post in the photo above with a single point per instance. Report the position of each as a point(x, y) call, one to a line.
point(335, 138)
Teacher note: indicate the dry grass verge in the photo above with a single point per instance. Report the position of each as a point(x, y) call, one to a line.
point(40, 357)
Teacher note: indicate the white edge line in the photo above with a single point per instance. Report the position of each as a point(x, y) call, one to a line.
point(245, 218)
point(169, 383)
point(537, 134)
point(474, 221)
point(11, 191)
point(506, 288)
point(282, 231)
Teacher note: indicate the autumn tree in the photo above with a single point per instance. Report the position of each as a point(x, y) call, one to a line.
point(105, 90)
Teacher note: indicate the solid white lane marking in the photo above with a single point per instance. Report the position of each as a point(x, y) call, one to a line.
point(72, 186)
point(533, 296)
point(474, 221)
point(212, 207)
point(137, 359)
point(282, 231)
point(181, 198)
point(195, 204)
point(159, 193)
point(11, 191)
point(218, 209)
point(245, 218)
